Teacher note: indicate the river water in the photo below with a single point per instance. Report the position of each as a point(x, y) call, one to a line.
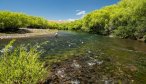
point(112, 59)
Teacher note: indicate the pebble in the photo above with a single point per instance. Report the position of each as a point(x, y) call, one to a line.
point(75, 82)
point(60, 73)
point(91, 63)
point(75, 64)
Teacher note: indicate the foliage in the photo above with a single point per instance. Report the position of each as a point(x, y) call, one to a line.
point(125, 19)
point(37, 22)
point(73, 25)
point(21, 66)
point(14, 21)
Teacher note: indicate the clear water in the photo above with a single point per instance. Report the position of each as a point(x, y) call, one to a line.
point(126, 52)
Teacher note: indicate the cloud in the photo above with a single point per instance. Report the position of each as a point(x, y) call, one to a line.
point(70, 19)
point(60, 20)
point(80, 12)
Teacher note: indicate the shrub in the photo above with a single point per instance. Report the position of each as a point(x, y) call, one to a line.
point(126, 19)
point(12, 21)
point(37, 22)
point(21, 66)
point(125, 32)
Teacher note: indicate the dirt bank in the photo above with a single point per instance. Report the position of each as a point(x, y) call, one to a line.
point(24, 33)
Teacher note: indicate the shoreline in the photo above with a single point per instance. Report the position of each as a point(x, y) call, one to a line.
point(30, 33)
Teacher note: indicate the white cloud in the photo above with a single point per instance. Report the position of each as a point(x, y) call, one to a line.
point(60, 20)
point(70, 19)
point(81, 12)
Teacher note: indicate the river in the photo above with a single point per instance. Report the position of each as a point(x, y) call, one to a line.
point(127, 55)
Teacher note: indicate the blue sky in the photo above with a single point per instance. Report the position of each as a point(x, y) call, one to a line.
point(55, 9)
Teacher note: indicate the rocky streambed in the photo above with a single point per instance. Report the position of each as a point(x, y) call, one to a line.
point(91, 70)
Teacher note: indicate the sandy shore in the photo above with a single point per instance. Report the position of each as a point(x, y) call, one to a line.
point(24, 33)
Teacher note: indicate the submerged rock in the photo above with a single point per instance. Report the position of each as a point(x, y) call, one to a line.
point(111, 36)
point(69, 45)
point(75, 64)
point(89, 51)
point(91, 63)
point(88, 70)
point(107, 81)
point(82, 42)
point(60, 73)
point(76, 81)
point(99, 62)
point(56, 34)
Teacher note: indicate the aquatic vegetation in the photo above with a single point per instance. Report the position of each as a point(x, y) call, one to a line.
point(21, 66)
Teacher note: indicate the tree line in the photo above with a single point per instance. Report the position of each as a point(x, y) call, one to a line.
point(13, 21)
point(126, 19)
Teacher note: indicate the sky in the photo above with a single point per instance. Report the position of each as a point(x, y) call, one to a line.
point(55, 9)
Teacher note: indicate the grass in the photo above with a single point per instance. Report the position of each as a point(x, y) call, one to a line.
point(21, 65)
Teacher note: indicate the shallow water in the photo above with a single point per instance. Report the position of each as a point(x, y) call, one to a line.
point(126, 53)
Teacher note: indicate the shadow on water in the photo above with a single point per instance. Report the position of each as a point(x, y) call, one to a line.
point(97, 59)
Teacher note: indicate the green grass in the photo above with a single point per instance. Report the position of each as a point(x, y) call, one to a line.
point(21, 65)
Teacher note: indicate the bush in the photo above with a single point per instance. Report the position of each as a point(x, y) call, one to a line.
point(37, 22)
point(126, 19)
point(125, 32)
point(12, 21)
point(20, 66)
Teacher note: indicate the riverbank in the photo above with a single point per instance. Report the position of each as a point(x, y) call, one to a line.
point(25, 33)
